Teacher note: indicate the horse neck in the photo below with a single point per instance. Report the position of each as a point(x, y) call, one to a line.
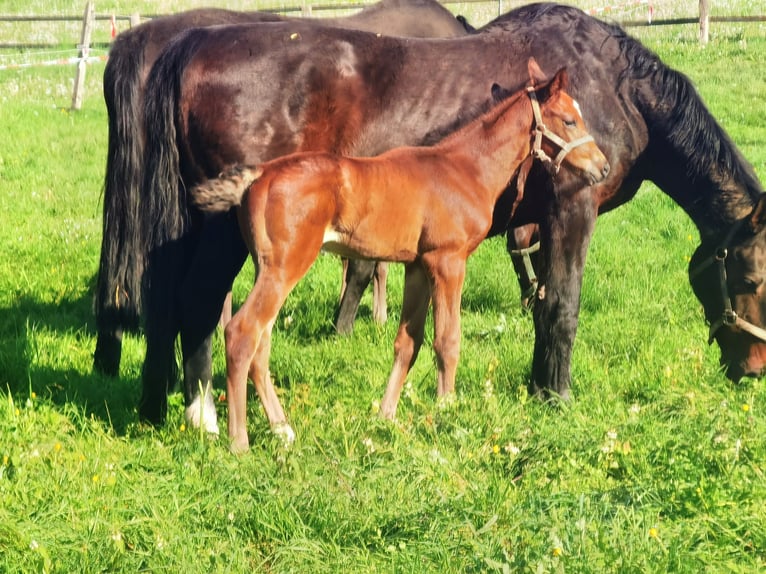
point(693, 159)
point(496, 143)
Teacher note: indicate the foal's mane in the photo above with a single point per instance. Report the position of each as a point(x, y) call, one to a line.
point(497, 109)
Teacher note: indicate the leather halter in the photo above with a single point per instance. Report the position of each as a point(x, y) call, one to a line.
point(541, 131)
point(729, 316)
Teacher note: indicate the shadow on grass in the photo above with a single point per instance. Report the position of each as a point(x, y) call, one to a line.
point(32, 359)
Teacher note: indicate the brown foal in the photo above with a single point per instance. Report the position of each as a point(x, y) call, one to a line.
point(427, 207)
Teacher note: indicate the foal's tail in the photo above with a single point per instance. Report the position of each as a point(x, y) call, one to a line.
point(226, 190)
point(123, 249)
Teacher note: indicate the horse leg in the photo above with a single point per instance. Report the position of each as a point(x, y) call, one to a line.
point(358, 277)
point(379, 278)
point(409, 338)
point(248, 342)
point(216, 262)
point(448, 273)
point(565, 233)
point(520, 244)
point(261, 377)
point(159, 371)
point(106, 357)
point(225, 312)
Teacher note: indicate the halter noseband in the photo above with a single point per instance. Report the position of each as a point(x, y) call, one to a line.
point(541, 131)
point(729, 316)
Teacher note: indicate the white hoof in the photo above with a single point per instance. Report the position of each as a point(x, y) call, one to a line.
point(201, 414)
point(285, 433)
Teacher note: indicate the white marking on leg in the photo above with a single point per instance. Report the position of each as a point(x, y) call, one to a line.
point(201, 413)
point(285, 433)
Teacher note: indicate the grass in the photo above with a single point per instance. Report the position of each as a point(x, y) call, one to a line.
point(656, 466)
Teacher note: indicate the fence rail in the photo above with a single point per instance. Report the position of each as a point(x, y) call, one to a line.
point(90, 17)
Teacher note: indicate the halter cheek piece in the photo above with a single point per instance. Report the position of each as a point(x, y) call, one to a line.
point(540, 131)
point(729, 316)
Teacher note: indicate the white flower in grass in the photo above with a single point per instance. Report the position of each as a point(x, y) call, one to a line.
point(634, 409)
point(33, 545)
point(511, 449)
point(369, 445)
point(489, 389)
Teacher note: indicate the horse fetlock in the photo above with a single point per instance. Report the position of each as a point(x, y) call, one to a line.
point(200, 414)
point(239, 444)
point(285, 433)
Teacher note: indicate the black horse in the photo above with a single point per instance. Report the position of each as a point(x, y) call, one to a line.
point(288, 88)
point(118, 303)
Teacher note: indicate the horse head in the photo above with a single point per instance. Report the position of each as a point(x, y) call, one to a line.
point(559, 131)
point(728, 276)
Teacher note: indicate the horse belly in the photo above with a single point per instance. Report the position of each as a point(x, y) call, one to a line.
point(370, 245)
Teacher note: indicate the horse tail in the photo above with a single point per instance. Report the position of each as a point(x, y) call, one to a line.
point(118, 287)
point(166, 216)
point(225, 191)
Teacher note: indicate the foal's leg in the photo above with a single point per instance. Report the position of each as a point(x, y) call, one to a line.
point(379, 278)
point(244, 336)
point(448, 273)
point(248, 334)
point(417, 290)
point(261, 377)
point(358, 277)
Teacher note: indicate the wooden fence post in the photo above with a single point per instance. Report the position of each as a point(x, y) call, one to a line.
point(135, 20)
point(704, 21)
point(84, 50)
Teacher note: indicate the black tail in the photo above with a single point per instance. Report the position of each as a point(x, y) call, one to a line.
point(166, 214)
point(123, 247)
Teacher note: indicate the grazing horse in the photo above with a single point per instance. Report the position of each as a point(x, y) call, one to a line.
point(118, 303)
point(244, 95)
point(427, 207)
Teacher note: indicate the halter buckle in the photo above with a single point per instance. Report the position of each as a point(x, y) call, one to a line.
point(729, 317)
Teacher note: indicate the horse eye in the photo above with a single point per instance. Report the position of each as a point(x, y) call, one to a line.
point(751, 284)
point(570, 123)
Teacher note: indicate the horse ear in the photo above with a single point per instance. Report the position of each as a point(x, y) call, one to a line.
point(758, 216)
point(496, 92)
point(536, 75)
point(560, 81)
point(499, 93)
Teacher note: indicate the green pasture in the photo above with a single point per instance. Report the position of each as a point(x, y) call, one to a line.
point(657, 465)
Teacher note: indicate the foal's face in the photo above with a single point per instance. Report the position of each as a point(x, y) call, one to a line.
point(561, 114)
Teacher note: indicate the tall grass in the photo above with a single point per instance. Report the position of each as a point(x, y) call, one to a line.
point(656, 466)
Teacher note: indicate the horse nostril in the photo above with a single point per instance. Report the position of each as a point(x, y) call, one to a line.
point(605, 171)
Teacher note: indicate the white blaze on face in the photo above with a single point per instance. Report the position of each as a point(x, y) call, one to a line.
point(577, 106)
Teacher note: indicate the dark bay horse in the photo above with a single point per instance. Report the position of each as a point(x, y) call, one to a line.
point(300, 88)
point(427, 207)
point(118, 302)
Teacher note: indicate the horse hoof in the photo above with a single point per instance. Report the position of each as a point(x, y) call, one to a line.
point(202, 414)
point(285, 433)
point(239, 446)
